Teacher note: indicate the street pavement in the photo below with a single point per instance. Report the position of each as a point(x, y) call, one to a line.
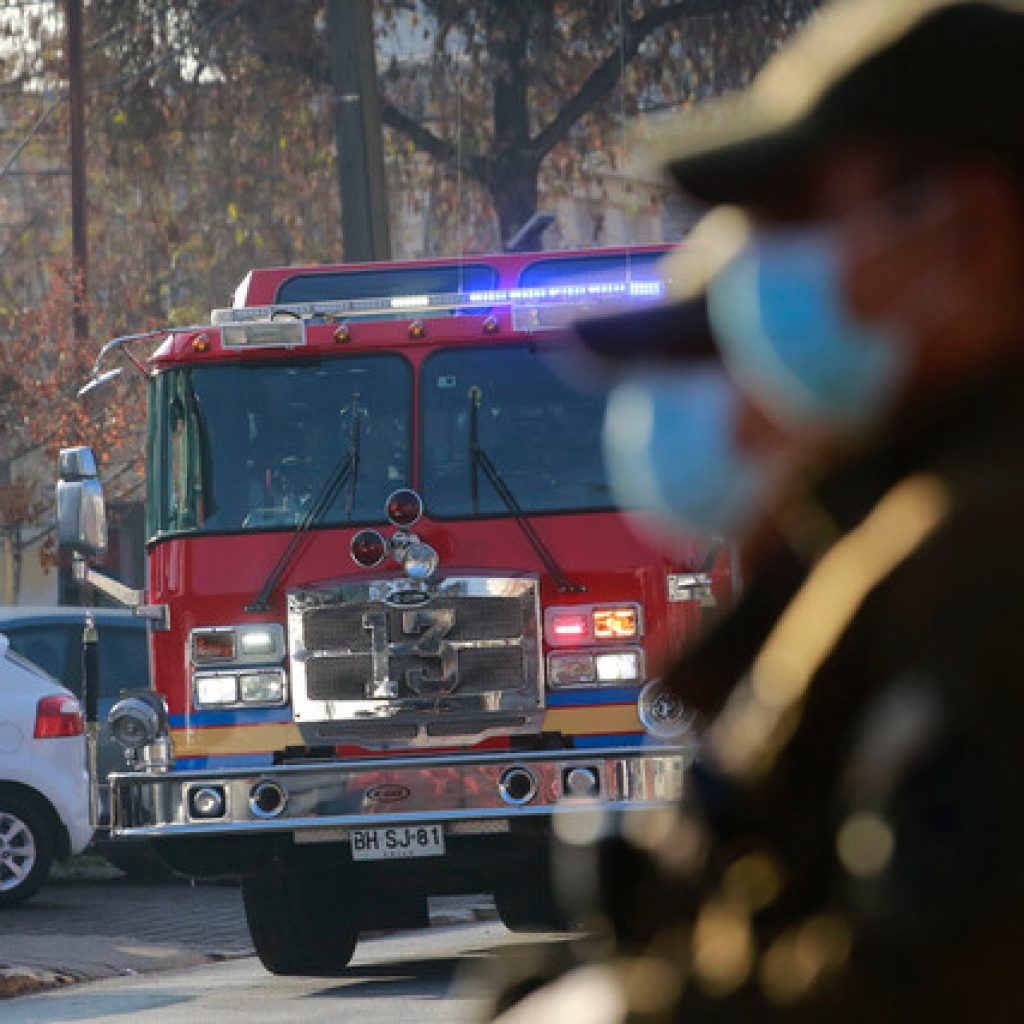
point(90, 922)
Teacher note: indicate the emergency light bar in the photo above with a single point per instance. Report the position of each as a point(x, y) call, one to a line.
point(264, 334)
point(532, 304)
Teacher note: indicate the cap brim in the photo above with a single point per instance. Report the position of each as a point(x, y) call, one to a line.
point(677, 329)
point(668, 332)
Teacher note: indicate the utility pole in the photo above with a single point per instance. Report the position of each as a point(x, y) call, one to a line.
point(357, 128)
point(79, 243)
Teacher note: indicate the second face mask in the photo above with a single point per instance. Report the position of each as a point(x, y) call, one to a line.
point(670, 448)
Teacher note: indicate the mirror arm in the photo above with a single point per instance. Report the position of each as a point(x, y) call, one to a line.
point(123, 595)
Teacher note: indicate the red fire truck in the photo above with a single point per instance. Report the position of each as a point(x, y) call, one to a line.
point(397, 626)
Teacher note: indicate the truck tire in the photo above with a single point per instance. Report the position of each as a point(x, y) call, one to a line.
point(298, 921)
point(140, 864)
point(530, 907)
point(26, 849)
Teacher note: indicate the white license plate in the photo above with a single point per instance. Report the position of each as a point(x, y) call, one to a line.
point(398, 841)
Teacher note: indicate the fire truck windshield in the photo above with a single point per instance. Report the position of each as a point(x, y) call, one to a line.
point(241, 446)
point(542, 436)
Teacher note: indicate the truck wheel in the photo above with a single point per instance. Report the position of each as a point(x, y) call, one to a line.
point(298, 921)
point(530, 908)
point(26, 849)
point(140, 865)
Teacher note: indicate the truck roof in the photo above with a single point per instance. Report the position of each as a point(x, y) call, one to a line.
point(311, 310)
point(283, 285)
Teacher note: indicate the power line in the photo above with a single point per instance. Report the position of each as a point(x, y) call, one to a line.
point(43, 118)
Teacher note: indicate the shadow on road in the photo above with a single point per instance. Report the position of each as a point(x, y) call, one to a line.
point(485, 970)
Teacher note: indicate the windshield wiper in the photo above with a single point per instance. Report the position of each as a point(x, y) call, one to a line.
point(346, 470)
point(479, 459)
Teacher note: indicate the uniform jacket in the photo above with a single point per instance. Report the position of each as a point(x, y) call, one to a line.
point(851, 840)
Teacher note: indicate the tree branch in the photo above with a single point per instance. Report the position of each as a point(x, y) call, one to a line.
point(603, 78)
point(423, 138)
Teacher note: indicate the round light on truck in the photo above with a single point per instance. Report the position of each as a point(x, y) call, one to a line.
point(419, 561)
point(134, 723)
point(581, 782)
point(267, 799)
point(662, 712)
point(368, 548)
point(517, 786)
point(404, 508)
point(206, 802)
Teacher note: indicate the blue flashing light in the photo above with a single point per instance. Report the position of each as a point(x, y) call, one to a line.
point(570, 292)
point(558, 298)
point(646, 289)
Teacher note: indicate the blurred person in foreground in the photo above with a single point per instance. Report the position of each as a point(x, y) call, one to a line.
point(851, 840)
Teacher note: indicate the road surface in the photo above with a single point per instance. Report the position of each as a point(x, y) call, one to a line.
point(440, 974)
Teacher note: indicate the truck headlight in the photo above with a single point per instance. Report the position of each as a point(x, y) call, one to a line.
point(586, 668)
point(617, 667)
point(262, 687)
point(228, 689)
point(570, 668)
point(216, 690)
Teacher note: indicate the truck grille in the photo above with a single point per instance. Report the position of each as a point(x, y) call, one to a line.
point(463, 648)
point(344, 678)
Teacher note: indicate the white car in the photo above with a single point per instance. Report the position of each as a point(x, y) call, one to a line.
point(44, 786)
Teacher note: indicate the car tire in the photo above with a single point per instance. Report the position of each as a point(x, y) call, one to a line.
point(299, 920)
point(26, 849)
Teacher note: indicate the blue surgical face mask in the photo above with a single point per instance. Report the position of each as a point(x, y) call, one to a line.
point(670, 449)
point(782, 326)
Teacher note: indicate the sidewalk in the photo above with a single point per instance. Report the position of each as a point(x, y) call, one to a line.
point(91, 922)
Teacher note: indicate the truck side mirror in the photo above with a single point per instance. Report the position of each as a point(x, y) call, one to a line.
point(81, 512)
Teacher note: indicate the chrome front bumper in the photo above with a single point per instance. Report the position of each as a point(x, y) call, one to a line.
point(327, 799)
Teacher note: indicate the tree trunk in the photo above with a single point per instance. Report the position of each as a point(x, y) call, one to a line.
point(513, 169)
point(514, 190)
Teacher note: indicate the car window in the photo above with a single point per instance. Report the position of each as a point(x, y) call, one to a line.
point(124, 662)
point(49, 647)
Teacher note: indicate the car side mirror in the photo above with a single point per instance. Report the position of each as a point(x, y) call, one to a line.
point(81, 511)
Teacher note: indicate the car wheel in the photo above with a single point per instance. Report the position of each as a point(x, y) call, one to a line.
point(26, 849)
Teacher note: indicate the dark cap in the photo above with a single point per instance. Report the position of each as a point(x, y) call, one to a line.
point(676, 329)
point(667, 332)
point(942, 74)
